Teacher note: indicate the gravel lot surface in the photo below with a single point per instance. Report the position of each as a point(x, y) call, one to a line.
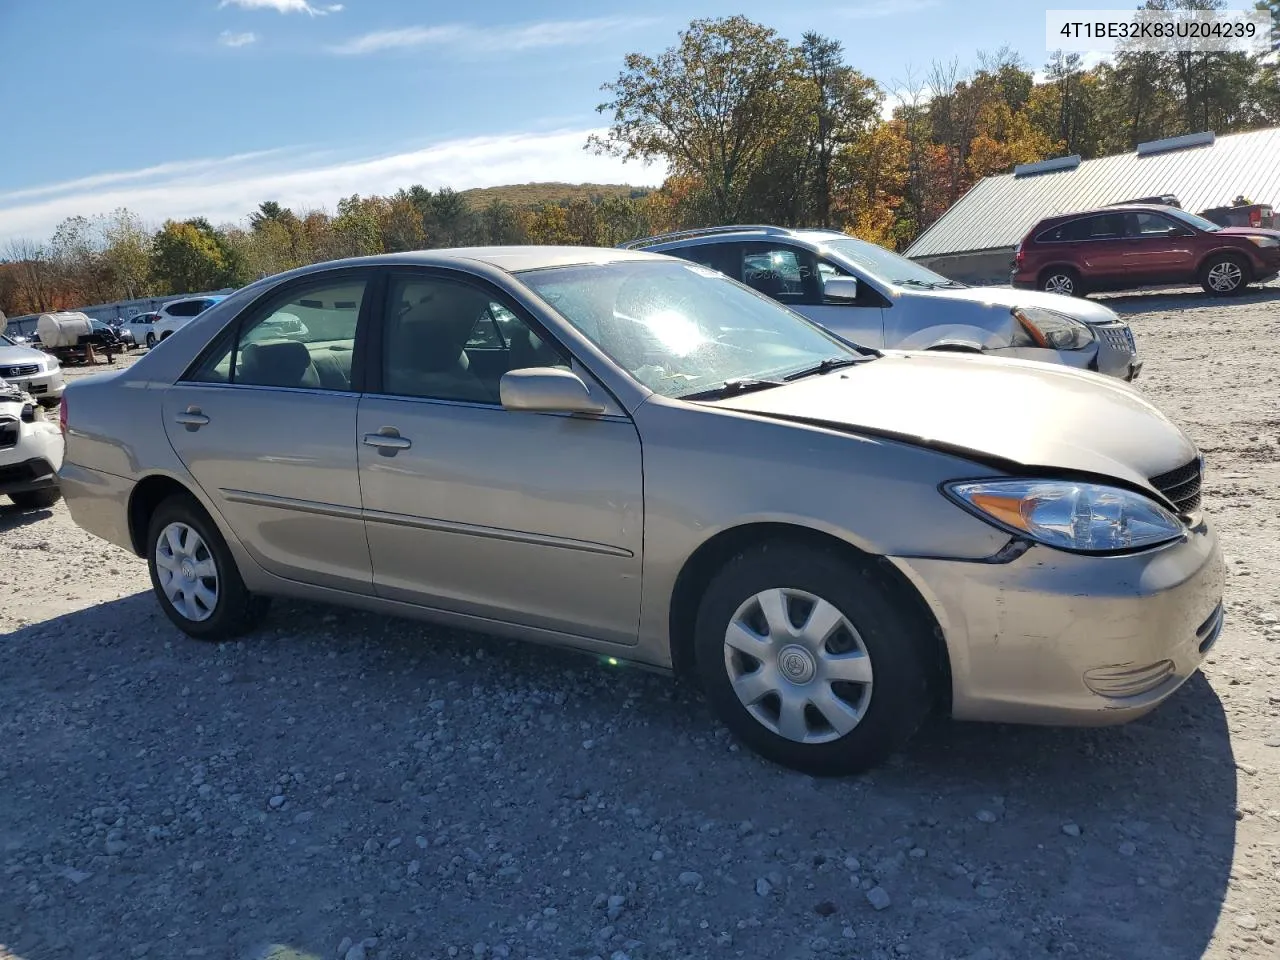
point(348, 786)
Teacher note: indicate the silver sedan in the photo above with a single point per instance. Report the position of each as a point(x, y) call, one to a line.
point(635, 456)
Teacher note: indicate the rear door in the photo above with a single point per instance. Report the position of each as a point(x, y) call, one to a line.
point(267, 427)
point(1157, 249)
point(1099, 246)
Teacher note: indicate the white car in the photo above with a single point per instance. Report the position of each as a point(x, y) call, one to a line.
point(30, 451)
point(141, 326)
point(864, 293)
point(32, 371)
point(178, 313)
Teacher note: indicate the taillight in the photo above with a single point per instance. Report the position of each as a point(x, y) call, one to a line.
point(1255, 218)
point(62, 415)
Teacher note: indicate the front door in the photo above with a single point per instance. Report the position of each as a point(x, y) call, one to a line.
point(796, 277)
point(519, 517)
point(267, 427)
point(1157, 249)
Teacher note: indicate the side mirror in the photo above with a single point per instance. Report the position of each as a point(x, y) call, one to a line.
point(546, 390)
point(840, 290)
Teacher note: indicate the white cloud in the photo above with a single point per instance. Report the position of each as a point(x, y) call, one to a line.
point(879, 9)
point(229, 39)
point(160, 171)
point(283, 6)
point(549, 33)
point(227, 190)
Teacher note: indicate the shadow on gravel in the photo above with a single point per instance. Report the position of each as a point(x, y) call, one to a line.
point(12, 517)
point(343, 776)
point(1161, 300)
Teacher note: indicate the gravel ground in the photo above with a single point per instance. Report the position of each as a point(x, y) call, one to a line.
point(343, 785)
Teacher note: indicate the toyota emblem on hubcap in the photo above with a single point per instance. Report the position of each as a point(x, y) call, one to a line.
point(796, 664)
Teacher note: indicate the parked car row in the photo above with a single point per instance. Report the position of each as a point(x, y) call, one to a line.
point(709, 457)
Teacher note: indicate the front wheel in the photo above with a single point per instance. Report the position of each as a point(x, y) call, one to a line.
point(808, 662)
point(194, 576)
point(1224, 275)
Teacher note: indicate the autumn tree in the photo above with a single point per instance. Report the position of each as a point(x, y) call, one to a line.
point(712, 107)
point(189, 256)
point(500, 224)
point(34, 282)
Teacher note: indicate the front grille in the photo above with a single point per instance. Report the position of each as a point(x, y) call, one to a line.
point(25, 370)
point(1118, 337)
point(1182, 486)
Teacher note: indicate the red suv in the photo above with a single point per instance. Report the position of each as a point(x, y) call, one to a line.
point(1136, 245)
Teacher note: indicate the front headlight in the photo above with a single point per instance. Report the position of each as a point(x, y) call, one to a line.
point(1051, 330)
point(1265, 242)
point(1080, 517)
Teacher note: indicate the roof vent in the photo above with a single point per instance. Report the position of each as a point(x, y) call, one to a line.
point(1176, 143)
point(1047, 166)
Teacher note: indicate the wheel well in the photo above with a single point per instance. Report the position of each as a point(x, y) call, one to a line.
point(165, 334)
point(709, 558)
point(1060, 268)
point(147, 495)
point(1226, 254)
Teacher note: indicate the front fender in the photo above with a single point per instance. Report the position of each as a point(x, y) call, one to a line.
point(971, 336)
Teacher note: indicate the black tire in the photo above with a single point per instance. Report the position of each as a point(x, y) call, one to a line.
point(151, 340)
point(1221, 268)
point(1063, 280)
point(900, 695)
point(236, 610)
point(165, 336)
point(41, 499)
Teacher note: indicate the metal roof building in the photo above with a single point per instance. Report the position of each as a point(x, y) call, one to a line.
point(974, 240)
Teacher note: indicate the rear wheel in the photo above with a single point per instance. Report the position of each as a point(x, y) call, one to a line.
point(194, 576)
point(807, 661)
point(1061, 280)
point(36, 499)
point(1224, 275)
point(151, 340)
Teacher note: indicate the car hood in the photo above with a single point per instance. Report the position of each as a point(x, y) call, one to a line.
point(1250, 232)
point(1009, 414)
point(1086, 311)
point(13, 356)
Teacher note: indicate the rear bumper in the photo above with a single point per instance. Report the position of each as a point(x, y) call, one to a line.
point(98, 502)
point(1058, 638)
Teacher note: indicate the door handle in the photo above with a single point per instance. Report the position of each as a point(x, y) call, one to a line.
point(387, 441)
point(192, 418)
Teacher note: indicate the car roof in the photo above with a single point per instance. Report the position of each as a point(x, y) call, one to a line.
point(814, 236)
point(1118, 208)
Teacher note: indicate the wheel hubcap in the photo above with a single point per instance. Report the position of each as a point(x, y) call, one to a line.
point(798, 665)
point(1059, 284)
point(1225, 276)
point(187, 572)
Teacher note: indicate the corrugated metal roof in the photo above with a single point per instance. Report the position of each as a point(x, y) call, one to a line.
point(998, 211)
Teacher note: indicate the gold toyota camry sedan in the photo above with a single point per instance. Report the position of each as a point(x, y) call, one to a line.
point(637, 457)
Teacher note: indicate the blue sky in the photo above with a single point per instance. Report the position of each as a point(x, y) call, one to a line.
point(185, 107)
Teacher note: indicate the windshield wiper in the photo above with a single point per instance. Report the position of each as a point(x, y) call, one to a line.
point(915, 283)
point(733, 387)
point(834, 363)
